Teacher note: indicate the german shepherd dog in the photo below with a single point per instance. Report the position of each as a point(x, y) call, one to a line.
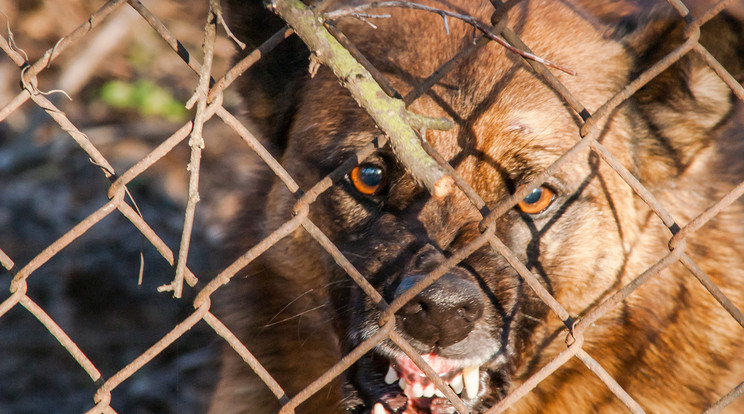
point(584, 233)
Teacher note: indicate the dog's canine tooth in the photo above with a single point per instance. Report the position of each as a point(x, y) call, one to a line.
point(402, 384)
point(417, 390)
point(429, 390)
point(379, 409)
point(391, 376)
point(471, 378)
point(456, 383)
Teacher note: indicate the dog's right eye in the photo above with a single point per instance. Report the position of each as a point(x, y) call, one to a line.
point(537, 201)
point(368, 179)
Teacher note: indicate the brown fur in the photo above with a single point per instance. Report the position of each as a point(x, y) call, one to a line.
point(669, 345)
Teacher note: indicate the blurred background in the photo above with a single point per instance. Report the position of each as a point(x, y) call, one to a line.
point(128, 90)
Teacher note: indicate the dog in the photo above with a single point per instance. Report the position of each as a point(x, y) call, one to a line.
point(584, 233)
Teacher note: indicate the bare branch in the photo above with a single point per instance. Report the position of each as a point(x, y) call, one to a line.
point(196, 142)
point(352, 11)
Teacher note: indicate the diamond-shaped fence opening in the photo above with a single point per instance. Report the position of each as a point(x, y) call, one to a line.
point(111, 210)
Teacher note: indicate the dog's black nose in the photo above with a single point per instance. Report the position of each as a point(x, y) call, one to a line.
point(442, 314)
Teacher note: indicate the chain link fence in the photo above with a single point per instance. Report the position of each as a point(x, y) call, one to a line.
point(178, 249)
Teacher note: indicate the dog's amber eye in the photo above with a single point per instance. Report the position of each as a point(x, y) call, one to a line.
point(367, 179)
point(536, 201)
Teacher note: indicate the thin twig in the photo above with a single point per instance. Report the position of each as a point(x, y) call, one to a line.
point(230, 34)
point(353, 11)
point(196, 142)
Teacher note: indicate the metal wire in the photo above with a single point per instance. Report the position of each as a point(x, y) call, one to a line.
point(209, 104)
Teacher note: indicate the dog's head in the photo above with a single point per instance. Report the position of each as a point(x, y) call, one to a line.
point(479, 326)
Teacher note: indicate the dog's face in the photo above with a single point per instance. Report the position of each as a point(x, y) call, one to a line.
point(480, 326)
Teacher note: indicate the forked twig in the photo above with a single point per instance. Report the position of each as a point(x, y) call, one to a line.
point(196, 142)
point(484, 28)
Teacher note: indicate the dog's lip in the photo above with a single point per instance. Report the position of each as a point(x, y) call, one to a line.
point(464, 379)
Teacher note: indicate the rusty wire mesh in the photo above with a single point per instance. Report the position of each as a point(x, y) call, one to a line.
point(208, 102)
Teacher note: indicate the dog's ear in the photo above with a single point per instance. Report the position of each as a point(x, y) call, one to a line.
point(270, 86)
point(685, 105)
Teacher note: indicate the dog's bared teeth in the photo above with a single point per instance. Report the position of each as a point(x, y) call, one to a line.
point(429, 390)
point(402, 384)
point(438, 393)
point(417, 390)
point(379, 409)
point(456, 383)
point(471, 378)
point(391, 376)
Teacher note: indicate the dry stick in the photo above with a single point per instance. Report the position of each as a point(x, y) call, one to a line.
point(389, 114)
point(484, 28)
point(196, 142)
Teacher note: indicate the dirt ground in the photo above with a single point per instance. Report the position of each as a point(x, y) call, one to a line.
point(48, 185)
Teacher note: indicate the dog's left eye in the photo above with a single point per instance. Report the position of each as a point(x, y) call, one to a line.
point(368, 179)
point(536, 201)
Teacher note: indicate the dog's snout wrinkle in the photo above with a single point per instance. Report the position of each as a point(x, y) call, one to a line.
point(442, 314)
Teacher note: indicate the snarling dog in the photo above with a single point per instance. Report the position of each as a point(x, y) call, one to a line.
point(584, 232)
